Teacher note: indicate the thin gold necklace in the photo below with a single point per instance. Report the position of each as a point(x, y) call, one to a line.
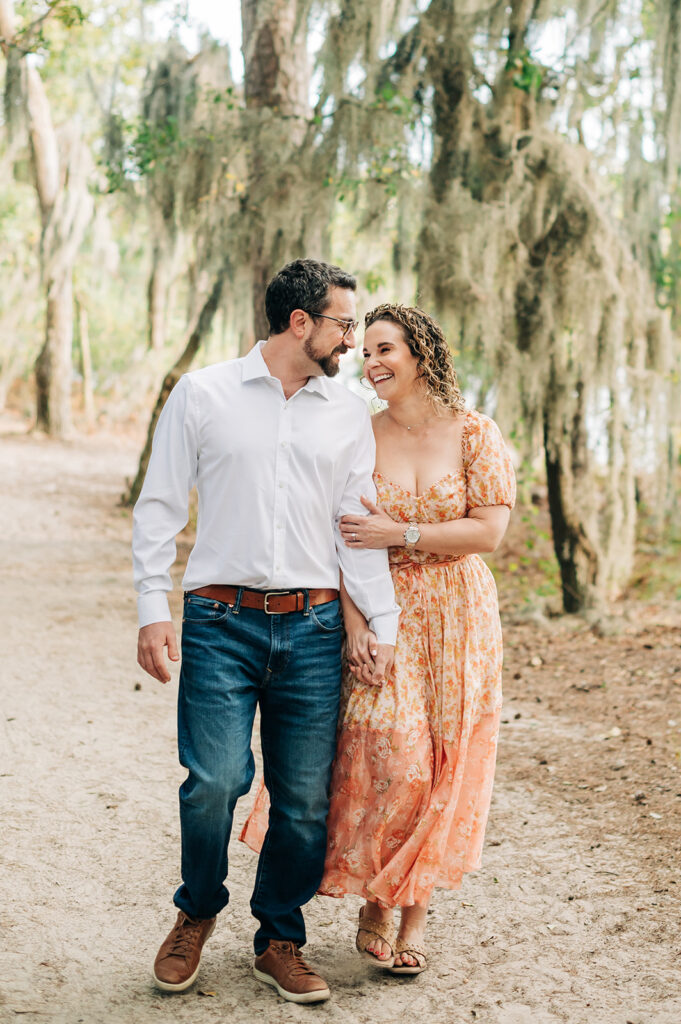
point(404, 425)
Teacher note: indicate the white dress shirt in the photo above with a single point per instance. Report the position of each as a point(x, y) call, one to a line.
point(273, 478)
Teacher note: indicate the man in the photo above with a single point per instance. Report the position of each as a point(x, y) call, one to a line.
point(278, 453)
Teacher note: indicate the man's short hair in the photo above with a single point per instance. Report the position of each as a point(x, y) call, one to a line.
point(302, 284)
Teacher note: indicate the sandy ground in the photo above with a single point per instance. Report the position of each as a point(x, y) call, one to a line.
point(574, 917)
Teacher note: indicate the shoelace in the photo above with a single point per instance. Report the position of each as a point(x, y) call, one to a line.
point(299, 967)
point(185, 939)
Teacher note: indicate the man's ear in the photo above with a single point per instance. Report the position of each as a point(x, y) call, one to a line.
point(297, 322)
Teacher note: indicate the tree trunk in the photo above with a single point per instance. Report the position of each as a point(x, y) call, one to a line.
point(157, 291)
point(86, 365)
point(65, 209)
point(276, 80)
point(203, 325)
point(53, 365)
point(568, 483)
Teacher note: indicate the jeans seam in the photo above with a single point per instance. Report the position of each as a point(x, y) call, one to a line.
point(266, 843)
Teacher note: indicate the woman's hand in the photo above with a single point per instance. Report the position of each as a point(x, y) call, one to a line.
point(376, 530)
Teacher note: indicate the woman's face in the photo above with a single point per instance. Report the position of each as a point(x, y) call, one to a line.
point(388, 361)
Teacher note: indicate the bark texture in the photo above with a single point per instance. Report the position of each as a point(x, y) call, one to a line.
point(276, 84)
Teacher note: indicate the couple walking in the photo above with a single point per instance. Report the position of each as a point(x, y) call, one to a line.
point(307, 505)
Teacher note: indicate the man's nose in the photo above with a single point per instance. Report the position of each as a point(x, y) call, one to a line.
point(350, 340)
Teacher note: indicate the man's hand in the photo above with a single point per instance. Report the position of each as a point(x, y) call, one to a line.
point(361, 645)
point(383, 662)
point(151, 641)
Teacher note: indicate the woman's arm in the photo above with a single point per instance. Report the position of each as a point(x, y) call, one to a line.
point(480, 531)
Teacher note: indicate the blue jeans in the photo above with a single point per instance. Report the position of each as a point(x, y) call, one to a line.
point(233, 659)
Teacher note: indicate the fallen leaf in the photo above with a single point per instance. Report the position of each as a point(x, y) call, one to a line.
point(202, 993)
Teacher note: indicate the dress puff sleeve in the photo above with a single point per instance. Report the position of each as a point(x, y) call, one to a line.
point(490, 478)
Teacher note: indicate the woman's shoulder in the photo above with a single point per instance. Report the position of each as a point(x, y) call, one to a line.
point(478, 422)
point(479, 430)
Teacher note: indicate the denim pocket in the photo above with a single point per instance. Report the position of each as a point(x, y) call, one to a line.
point(203, 609)
point(327, 616)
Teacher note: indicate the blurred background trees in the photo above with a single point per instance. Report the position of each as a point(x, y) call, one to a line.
point(514, 168)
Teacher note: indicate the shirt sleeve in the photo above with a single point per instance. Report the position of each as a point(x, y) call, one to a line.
point(490, 479)
point(365, 572)
point(161, 510)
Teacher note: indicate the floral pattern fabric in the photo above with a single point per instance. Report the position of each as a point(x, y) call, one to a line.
point(412, 778)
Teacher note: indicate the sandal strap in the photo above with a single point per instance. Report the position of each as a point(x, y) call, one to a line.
point(411, 949)
point(382, 929)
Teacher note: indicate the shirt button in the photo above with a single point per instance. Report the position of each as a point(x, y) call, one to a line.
point(283, 444)
point(281, 485)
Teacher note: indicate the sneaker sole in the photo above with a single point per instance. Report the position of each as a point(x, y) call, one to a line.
point(293, 997)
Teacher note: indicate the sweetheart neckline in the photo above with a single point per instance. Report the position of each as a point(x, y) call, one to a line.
point(413, 494)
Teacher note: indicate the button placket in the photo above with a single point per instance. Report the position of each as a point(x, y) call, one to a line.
point(282, 480)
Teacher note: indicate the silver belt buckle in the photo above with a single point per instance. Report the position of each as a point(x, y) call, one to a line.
point(273, 593)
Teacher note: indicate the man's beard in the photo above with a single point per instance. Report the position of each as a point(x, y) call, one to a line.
point(329, 364)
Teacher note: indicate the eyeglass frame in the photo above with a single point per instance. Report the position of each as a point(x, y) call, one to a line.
point(348, 325)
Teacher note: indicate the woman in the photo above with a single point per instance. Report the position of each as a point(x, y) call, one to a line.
point(413, 774)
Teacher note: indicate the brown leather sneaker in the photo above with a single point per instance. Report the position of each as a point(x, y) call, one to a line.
point(177, 963)
point(282, 965)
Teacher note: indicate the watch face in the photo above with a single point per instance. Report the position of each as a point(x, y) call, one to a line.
point(412, 534)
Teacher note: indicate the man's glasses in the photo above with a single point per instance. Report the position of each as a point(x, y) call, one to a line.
point(347, 325)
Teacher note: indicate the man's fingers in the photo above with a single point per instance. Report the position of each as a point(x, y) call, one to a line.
point(151, 645)
point(147, 663)
point(367, 676)
point(172, 646)
point(158, 663)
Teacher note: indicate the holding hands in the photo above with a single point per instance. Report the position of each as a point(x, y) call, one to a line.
point(375, 530)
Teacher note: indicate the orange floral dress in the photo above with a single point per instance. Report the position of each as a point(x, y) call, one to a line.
point(412, 778)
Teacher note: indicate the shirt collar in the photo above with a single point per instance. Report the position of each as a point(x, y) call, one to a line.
point(253, 366)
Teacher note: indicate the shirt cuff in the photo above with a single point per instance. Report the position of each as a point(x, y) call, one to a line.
point(385, 627)
point(153, 607)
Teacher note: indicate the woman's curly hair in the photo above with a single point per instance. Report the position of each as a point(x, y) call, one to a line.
point(427, 342)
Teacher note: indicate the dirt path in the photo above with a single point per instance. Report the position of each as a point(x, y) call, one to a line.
point(574, 917)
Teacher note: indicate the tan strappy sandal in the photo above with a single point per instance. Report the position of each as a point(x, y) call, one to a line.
point(414, 950)
point(381, 929)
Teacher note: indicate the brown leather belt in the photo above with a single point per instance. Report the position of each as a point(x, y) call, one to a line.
point(272, 602)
